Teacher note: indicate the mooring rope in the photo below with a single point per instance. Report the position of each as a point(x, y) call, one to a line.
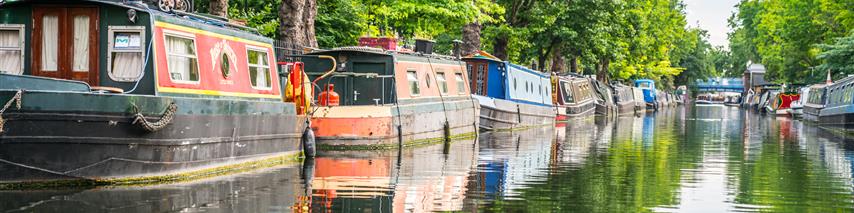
point(15, 99)
point(164, 121)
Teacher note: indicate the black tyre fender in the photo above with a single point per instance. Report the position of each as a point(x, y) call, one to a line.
point(308, 146)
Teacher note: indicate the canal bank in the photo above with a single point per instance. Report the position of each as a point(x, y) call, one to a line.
point(683, 159)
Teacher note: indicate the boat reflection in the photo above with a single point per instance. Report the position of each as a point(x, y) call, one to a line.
point(274, 189)
point(422, 179)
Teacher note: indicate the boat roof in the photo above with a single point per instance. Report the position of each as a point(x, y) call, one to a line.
point(644, 80)
point(198, 20)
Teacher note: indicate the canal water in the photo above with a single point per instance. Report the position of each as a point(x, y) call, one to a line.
point(685, 159)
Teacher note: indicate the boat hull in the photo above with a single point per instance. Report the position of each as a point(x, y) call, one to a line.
point(58, 136)
point(811, 113)
point(569, 112)
point(498, 114)
point(376, 127)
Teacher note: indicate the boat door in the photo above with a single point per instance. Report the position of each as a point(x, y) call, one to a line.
point(65, 43)
point(479, 74)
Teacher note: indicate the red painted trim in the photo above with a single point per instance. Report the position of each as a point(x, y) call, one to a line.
point(210, 74)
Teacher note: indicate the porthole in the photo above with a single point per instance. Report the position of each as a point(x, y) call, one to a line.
point(427, 79)
point(225, 66)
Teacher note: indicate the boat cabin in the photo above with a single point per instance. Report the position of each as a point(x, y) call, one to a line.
point(498, 79)
point(371, 76)
point(840, 93)
point(132, 47)
point(573, 91)
point(648, 87)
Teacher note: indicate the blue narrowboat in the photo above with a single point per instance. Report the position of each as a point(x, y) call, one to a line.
point(649, 92)
point(511, 96)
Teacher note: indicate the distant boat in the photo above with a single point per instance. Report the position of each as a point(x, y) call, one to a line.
point(814, 102)
point(649, 92)
point(624, 100)
point(573, 97)
point(510, 96)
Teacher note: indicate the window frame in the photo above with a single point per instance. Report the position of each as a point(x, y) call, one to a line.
point(111, 32)
point(190, 36)
point(461, 83)
point(442, 82)
point(410, 81)
point(268, 66)
point(21, 43)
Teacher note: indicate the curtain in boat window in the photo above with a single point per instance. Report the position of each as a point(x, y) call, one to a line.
point(182, 62)
point(10, 52)
point(259, 73)
point(50, 43)
point(127, 66)
point(81, 44)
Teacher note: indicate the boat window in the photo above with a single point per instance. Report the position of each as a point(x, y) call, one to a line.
point(645, 85)
point(126, 56)
point(443, 83)
point(412, 78)
point(461, 84)
point(182, 60)
point(259, 69)
point(225, 66)
point(514, 84)
point(11, 48)
point(80, 62)
point(50, 43)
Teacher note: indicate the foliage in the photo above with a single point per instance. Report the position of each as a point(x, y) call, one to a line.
point(839, 56)
point(786, 35)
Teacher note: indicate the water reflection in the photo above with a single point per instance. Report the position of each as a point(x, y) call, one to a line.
point(270, 190)
point(684, 159)
point(424, 179)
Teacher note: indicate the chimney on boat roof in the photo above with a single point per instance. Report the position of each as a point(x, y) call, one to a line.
point(458, 51)
point(424, 46)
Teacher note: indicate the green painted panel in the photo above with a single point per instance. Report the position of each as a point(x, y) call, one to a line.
point(111, 15)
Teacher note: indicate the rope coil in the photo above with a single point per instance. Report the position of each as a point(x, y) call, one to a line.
point(165, 119)
point(15, 99)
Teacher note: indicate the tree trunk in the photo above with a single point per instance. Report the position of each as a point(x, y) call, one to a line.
point(602, 72)
point(558, 61)
point(499, 49)
point(573, 64)
point(219, 8)
point(296, 28)
point(471, 38)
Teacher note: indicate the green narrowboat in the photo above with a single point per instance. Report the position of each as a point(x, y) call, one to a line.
point(116, 91)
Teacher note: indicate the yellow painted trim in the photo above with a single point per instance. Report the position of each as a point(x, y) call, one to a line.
point(207, 33)
point(215, 93)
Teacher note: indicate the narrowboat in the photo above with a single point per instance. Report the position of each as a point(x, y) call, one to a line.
point(624, 99)
point(116, 92)
point(796, 110)
point(649, 92)
point(389, 99)
point(780, 103)
point(814, 102)
point(510, 96)
point(681, 94)
point(604, 97)
point(640, 103)
point(839, 110)
point(572, 97)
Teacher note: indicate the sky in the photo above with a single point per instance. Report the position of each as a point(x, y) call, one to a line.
point(711, 15)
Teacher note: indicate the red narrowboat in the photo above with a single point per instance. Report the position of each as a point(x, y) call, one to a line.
point(376, 99)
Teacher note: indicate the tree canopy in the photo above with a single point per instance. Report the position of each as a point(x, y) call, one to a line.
point(794, 39)
point(797, 40)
